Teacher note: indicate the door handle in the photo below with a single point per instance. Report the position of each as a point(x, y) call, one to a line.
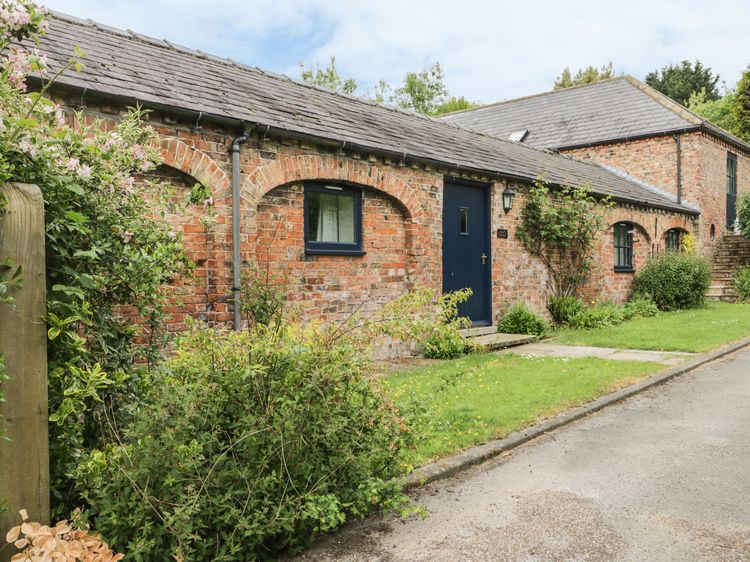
point(484, 258)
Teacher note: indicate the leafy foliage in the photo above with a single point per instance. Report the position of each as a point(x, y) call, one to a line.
point(264, 295)
point(674, 280)
point(607, 313)
point(520, 320)
point(454, 103)
point(564, 309)
point(419, 316)
point(720, 111)
point(560, 229)
point(742, 107)
point(274, 436)
point(742, 284)
point(105, 248)
point(743, 214)
point(328, 77)
point(422, 91)
point(587, 75)
point(681, 81)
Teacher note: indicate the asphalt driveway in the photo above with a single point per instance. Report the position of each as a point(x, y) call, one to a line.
point(664, 475)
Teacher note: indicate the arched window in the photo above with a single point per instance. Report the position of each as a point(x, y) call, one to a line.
point(712, 232)
point(673, 239)
point(623, 233)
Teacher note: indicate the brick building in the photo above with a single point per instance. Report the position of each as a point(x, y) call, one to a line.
point(355, 202)
point(628, 126)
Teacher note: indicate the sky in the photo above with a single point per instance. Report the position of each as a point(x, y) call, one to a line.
point(490, 51)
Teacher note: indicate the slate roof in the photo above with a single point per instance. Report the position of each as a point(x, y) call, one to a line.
point(159, 74)
point(605, 111)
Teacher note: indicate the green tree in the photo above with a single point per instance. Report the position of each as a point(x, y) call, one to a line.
point(454, 103)
point(680, 81)
point(423, 91)
point(328, 77)
point(587, 75)
point(741, 107)
point(720, 111)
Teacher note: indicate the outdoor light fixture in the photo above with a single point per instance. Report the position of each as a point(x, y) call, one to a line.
point(508, 195)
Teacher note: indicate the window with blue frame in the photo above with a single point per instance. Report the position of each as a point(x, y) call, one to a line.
point(623, 233)
point(333, 219)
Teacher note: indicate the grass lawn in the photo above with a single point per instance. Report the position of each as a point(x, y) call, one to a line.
point(455, 404)
point(699, 329)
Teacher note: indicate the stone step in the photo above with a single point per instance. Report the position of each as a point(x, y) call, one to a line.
point(478, 331)
point(502, 341)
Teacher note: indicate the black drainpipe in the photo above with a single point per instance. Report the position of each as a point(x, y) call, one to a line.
point(236, 256)
point(678, 145)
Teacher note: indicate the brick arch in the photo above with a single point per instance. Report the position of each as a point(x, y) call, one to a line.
point(323, 167)
point(638, 227)
point(196, 163)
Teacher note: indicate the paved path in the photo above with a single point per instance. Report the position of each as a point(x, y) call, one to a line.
point(559, 350)
point(664, 475)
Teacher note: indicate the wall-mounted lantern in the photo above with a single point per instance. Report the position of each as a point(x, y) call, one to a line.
point(508, 196)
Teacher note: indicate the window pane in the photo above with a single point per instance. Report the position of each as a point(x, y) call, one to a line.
point(464, 220)
point(331, 217)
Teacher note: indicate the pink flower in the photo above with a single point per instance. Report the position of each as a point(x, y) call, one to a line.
point(84, 171)
point(139, 153)
point(72, 164)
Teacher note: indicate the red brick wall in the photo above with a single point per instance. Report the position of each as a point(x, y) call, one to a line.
point(402, 226)
point(704, 158)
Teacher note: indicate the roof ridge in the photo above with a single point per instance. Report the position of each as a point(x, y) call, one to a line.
point(539, 95)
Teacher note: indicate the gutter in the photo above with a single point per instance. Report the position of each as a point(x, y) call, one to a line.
point(396, 155)
point(236, 255)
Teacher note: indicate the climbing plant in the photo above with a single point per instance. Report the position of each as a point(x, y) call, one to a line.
point(109, 257)
point(560, 228)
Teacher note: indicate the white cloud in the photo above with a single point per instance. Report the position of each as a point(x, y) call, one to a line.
point(489, 50)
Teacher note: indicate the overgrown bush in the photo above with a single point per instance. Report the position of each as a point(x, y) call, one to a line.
point(598, 315)
point(520, 320)
point(742, 284)
point(743, 214)
point(675, 280)
point(106, 248)
point(264, 295)
point(564, 309)
point(420, 316)
point(640, 306)
point(249, 444)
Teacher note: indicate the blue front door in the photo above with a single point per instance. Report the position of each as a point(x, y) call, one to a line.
point(466, 246)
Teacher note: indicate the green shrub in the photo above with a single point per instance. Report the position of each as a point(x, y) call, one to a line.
point(742, 284)
point(249, 444)
point(445, 342)
point(675, 280)
point(421, 317)
point(598, 315)
point(743, 214)
point(520, 320)
point(640, 305)
point(564, 309)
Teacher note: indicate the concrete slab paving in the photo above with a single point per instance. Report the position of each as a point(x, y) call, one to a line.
point(574, 351)
point(660, 476)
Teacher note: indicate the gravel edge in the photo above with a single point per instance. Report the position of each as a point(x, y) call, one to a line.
point(447, 467)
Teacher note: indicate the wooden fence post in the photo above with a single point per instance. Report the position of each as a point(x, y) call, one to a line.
point(24, 460)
